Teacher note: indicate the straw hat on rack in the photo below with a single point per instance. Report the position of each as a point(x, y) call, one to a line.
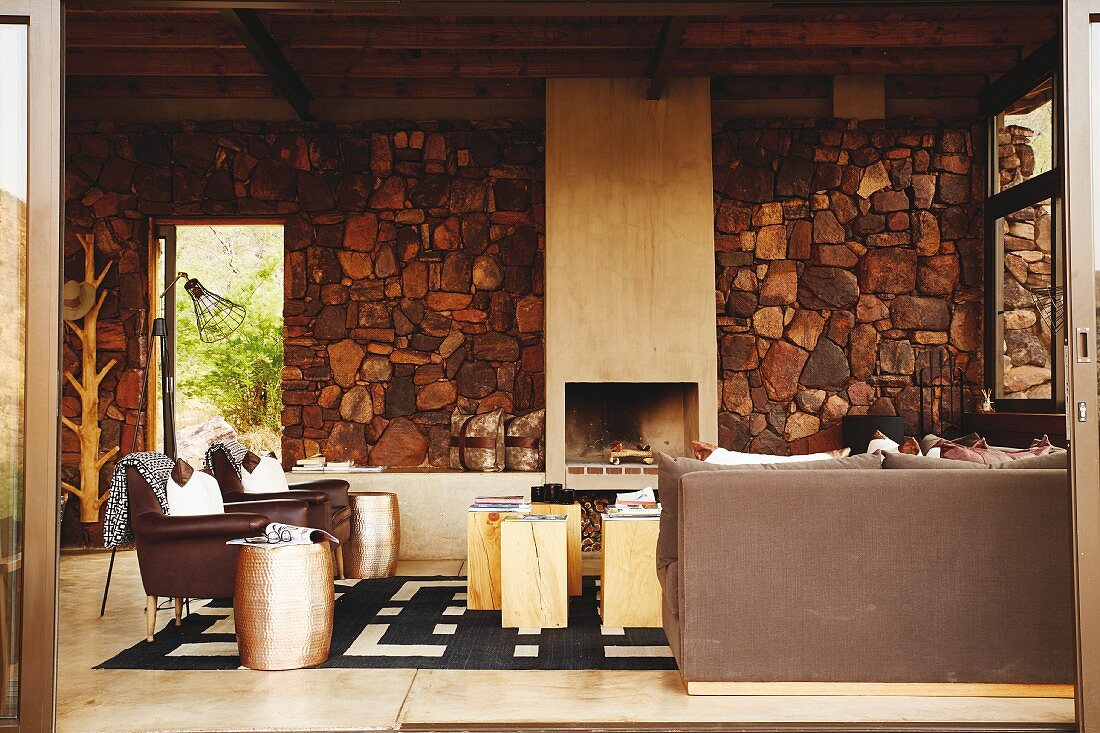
point(77, 298)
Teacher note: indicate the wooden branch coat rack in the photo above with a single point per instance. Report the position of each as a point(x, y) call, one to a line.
point(87, 431)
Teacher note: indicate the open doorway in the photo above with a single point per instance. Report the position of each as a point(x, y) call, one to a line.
point(228, 387)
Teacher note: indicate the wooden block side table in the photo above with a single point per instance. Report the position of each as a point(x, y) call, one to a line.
point(630, 595)
point(572, 514)
point(535, 586)
point(375, 540)
point(483, 560)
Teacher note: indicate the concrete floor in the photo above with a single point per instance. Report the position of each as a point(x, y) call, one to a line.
point(362, 699)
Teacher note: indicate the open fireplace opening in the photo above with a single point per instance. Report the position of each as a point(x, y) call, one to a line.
point(663, 415)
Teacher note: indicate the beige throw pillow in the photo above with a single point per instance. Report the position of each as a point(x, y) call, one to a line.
point(477, 441)
point(524, 447)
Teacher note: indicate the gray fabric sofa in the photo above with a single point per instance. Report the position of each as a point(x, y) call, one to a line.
point(867, 575)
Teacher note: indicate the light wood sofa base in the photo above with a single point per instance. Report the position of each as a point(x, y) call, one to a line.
point(900, 689)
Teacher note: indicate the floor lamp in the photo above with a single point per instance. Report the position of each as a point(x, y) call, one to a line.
point(216, 318)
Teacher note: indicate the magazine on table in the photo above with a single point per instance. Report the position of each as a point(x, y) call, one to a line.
point(285, 535)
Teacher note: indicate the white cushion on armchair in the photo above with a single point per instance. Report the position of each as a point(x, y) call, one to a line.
point(266, 477)
point(198, 495)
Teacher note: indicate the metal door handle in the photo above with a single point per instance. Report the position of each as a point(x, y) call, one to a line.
point(1084, 346)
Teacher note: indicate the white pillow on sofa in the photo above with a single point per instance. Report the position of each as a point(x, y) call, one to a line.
point(267, 476)
point(886, 445)
point(724, 457)
point(198, 495)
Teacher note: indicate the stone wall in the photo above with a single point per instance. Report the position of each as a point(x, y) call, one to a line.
point(1026, 357)
point(844, 252)
point(413, 268)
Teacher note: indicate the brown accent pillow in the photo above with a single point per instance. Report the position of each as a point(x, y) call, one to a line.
point(477, 441)
point(980, 453)
point(910, 447)
point(907, 461)
point(182, 472)
point(702, 450)
point(250, 461)
point(670, 470)
point(524, 448)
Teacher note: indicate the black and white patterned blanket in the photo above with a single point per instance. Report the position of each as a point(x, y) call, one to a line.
point(233, 450)
point(155, 468)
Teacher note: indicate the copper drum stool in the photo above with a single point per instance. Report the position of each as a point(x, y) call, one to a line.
point(371, 551)
point(282, 606)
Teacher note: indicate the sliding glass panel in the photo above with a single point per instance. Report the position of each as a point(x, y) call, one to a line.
point(1025, 137)
point(13, 270)
point(1030, 307)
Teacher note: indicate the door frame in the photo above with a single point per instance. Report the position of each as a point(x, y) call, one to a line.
point(1080, 163)
point(41, 460)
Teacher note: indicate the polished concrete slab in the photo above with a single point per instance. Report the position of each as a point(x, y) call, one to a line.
point(125, 701)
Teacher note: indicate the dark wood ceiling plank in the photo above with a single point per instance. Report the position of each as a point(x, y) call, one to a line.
point(150, 34)
point(845, 33)
point(543, 8)
point(346, 63)
point(265, 50)
point(835, 61)
point(259, 87)
point(351, 64)
point(960, 86)
point(418, 34)
point(771, 87)
point(672, 34)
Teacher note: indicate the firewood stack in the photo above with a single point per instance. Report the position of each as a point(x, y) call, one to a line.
point(592, 506)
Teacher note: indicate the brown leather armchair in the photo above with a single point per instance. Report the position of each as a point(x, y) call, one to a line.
point(186, 557)
point(329, 507)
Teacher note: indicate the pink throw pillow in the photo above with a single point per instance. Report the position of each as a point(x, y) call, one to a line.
point(981, 453)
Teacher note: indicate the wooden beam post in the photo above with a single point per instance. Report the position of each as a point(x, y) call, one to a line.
point(266, 51)
point(672, 35)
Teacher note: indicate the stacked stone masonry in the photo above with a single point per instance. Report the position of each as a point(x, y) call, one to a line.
point(1026, 353)
point(413, 269)
point(845, 253)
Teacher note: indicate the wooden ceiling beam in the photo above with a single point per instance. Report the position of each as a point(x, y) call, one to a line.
point(259, 87)
point(382, 64)
point(808, 61)
point(672, 34)
point(556, 8)
point(267, 54)
point(1008, 31)
point(150, 34)
point(363, 64)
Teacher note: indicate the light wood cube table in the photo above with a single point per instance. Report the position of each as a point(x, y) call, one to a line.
point(572, 514)
point(483, 560)
point(630, 595)
point(535, 586)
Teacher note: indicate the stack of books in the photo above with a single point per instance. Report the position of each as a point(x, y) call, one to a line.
point(634, 509)
point(500, 504)
point(318, 464)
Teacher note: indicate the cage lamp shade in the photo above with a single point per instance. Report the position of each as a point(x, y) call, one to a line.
point(216, 317)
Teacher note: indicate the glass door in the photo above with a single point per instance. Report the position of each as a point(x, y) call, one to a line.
point(30, 190)
point(1081, 195)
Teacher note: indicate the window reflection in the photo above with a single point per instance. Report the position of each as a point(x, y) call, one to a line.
point(1025, 137)
point(1029, 303)
point(13, 250)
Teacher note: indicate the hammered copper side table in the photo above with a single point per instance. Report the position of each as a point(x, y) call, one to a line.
point(283, 604)
point(375, 541)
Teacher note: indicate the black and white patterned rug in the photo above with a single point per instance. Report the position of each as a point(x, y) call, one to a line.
point(419, 623)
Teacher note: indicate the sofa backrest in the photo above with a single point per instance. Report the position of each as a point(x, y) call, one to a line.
point(888, 576)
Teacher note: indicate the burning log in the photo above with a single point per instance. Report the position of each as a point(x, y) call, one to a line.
point(617, 453)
